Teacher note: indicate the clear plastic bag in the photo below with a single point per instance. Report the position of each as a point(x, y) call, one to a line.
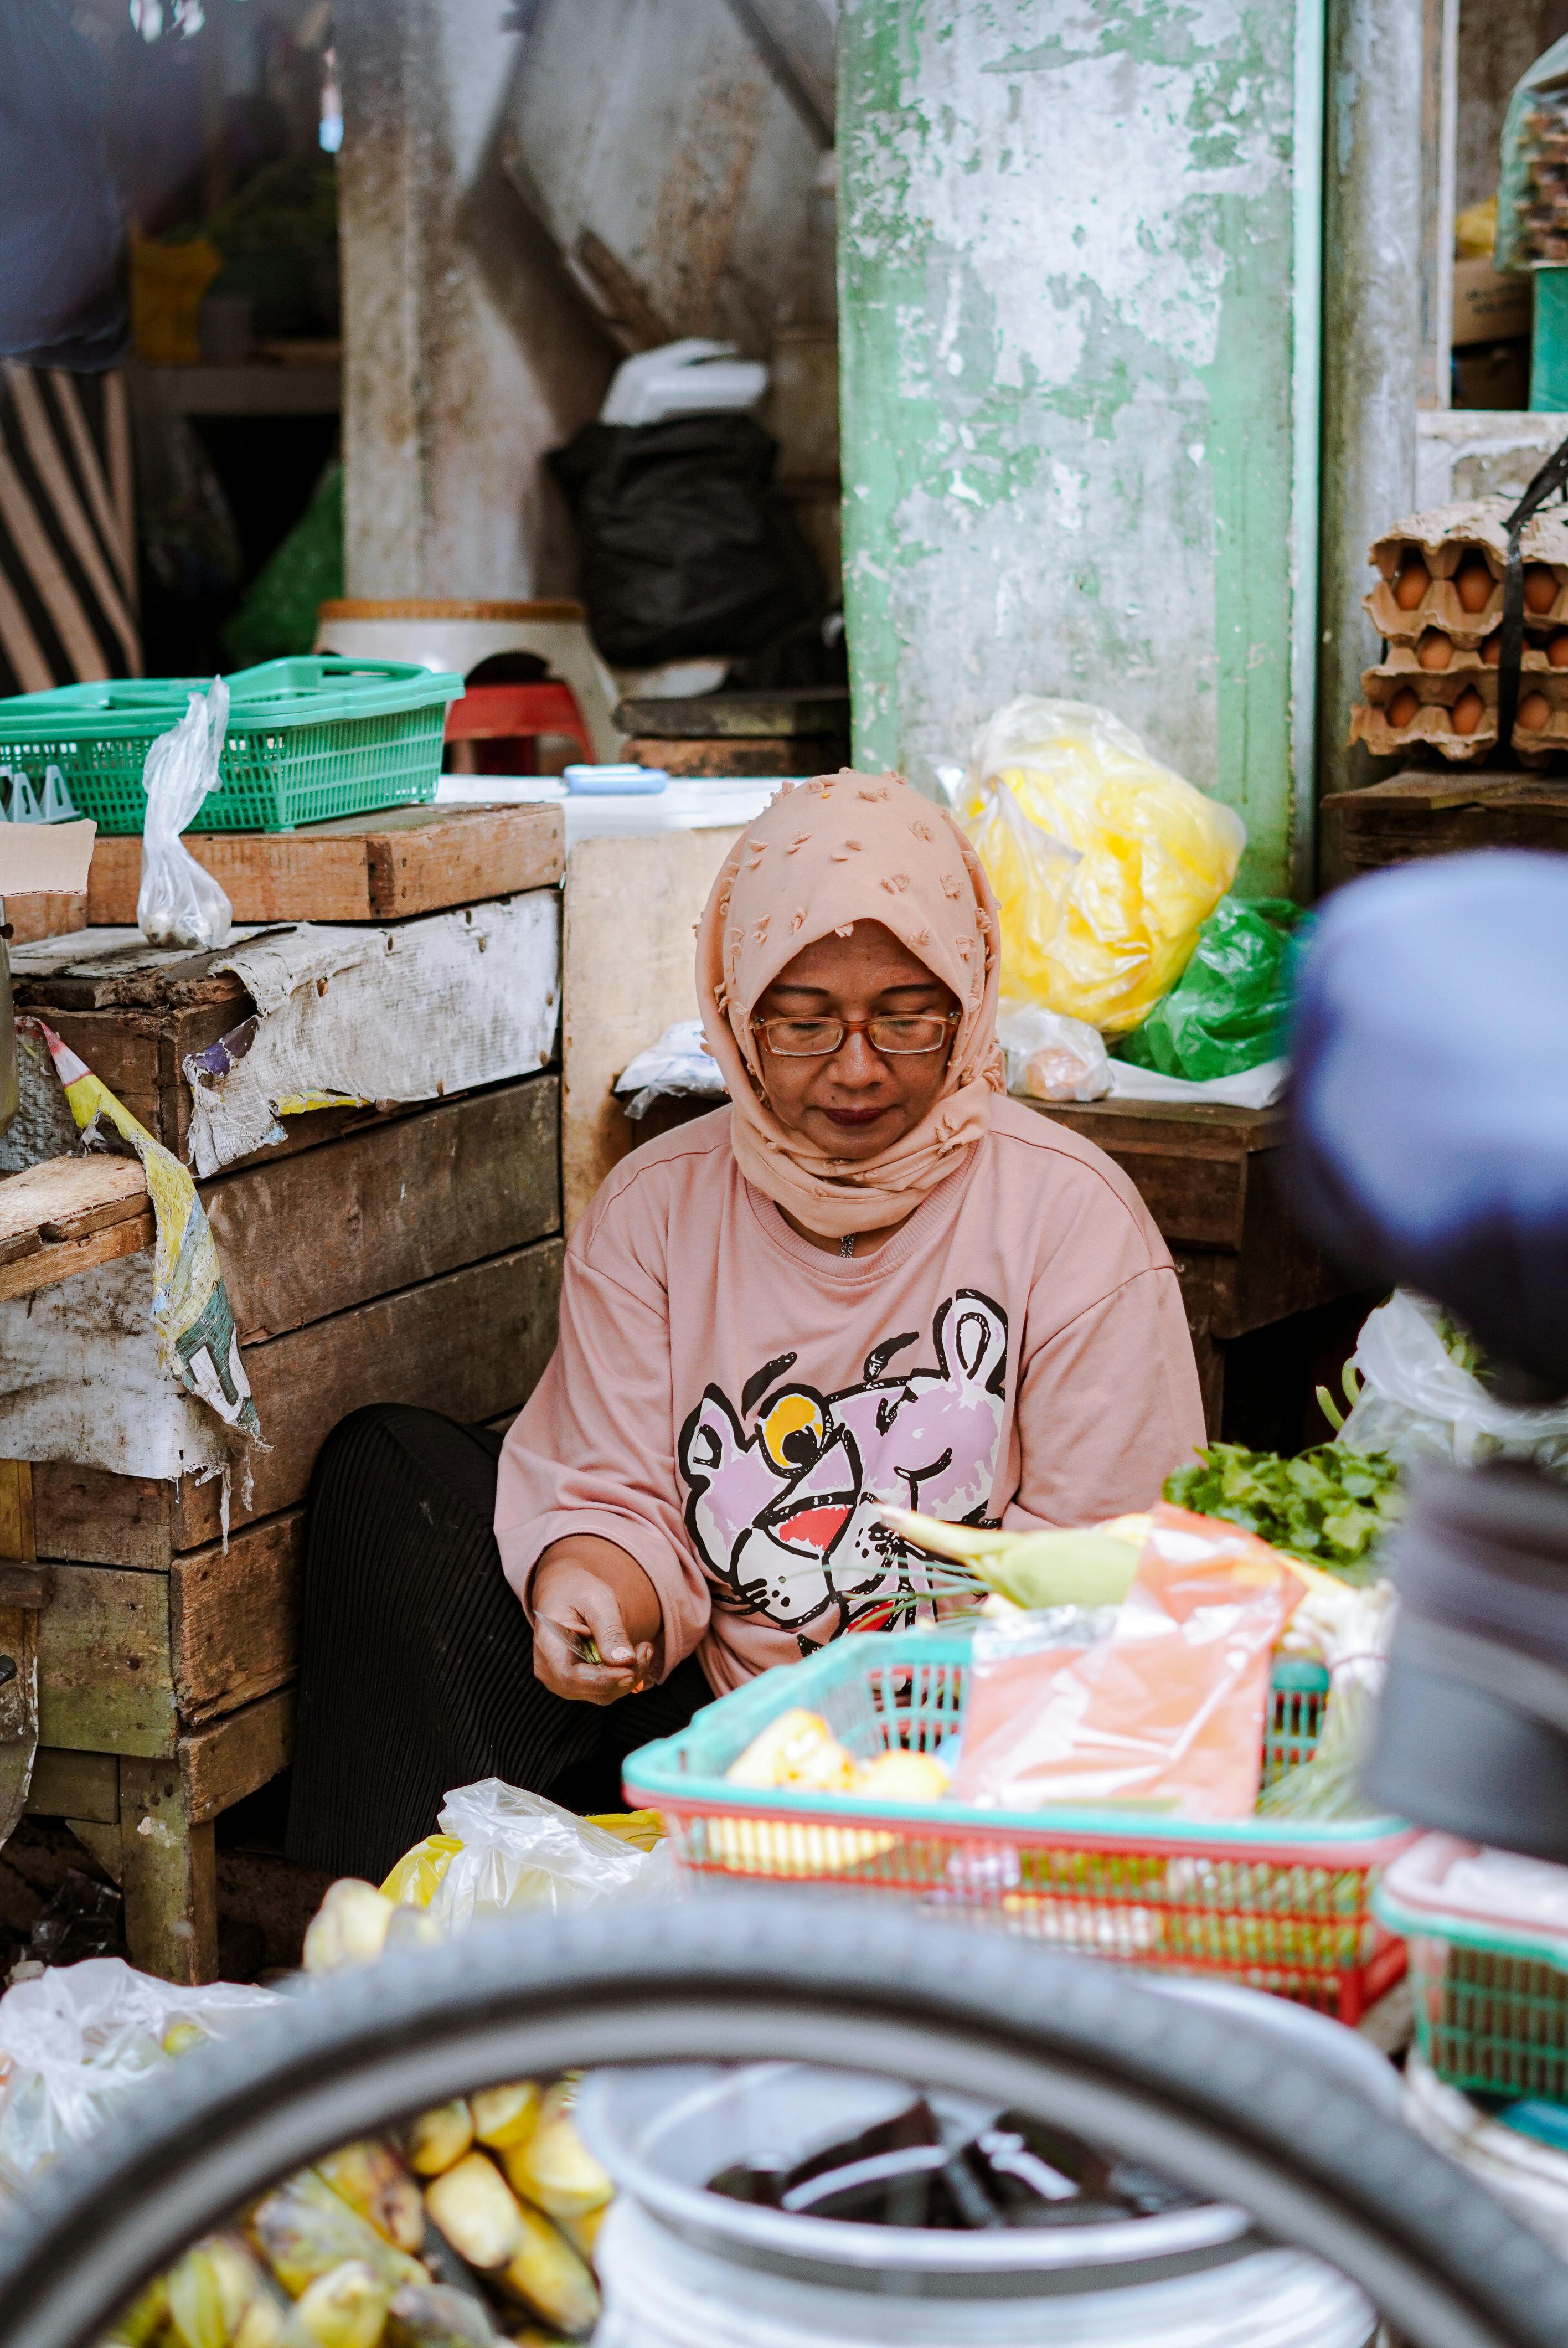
point(678, 1065)
point(1105, 863)
point(1417, 1402)
point(521, 1851)
point(81, 2037)
point(178, 903)
point(1051, 1057)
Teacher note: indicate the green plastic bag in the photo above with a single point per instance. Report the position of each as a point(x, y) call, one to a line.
point(1228, 1011)
point(279, 615)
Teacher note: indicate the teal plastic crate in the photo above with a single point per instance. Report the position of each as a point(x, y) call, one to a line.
point(309, 738)
point(1491, 2000)
point(1255, 1900)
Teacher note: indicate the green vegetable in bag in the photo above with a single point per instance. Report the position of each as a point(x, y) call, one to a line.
point(1228, 1010)
point(1331, 1505)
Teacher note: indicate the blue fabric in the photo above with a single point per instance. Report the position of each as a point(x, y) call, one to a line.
point(1430, 1105)
point(62, 295)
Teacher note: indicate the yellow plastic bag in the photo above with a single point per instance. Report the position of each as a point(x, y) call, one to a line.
point(412, 1881)
point(1105, 863)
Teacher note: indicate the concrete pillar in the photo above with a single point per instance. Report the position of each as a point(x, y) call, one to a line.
point(1079, 257)
point(467, 353)
point(1377, 190)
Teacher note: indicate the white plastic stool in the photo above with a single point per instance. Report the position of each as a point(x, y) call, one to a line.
point(458, 636)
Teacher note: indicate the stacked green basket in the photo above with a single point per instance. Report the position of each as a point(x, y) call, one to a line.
point(309, 738)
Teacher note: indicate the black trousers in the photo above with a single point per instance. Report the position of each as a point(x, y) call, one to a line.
point(416, 1668)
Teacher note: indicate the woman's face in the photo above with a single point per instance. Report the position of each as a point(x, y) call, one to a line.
point(855, 1101)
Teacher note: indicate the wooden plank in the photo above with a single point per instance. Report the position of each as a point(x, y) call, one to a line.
point(627, 973)
point(75, 1785)
point(169, 1874)
point(18, 1518)
point(104, 1679)
point(314, 1234)
point(26, 1585)
point(367, 868)
point(45, 913)
point(99, 1519)
point(1277, 1270)
point(220, 1764)
point(234, 1617)
point(472, 1343)
point(67, 1196)
point(711, 717)
point(46, 1266)
point(1190, 1174)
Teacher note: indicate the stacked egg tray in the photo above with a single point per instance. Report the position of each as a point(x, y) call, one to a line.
point(1543, 214)
point(1437, 605)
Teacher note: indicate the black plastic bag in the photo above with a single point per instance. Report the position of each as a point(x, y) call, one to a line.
point(686, 547)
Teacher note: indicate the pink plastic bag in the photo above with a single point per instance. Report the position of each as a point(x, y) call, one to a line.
point(1167, 1711)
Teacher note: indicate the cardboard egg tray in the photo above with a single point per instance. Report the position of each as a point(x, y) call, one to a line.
point(1432, 728)
point(1444, 537)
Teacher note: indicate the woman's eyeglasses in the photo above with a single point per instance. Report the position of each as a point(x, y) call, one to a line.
point(814, 1039)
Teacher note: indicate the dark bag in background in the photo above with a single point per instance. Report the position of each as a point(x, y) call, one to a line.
point(686, 547)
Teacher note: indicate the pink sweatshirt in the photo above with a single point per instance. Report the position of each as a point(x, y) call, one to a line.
point(729, 1402)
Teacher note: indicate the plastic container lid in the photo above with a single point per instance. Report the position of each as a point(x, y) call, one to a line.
point(624, 781)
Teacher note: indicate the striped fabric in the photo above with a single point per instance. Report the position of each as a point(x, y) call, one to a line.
point(68, 535)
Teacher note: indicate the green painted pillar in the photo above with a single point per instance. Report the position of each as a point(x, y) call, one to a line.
point(1078, 320)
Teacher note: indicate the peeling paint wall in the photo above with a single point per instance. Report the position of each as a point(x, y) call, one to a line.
point(1074, 446)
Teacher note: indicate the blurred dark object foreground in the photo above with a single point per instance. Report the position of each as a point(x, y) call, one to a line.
point(1432, 1149)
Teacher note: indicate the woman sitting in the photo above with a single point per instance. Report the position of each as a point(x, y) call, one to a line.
point(871, 1279)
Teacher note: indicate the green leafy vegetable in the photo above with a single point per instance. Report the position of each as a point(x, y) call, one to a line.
point(1331, 1505)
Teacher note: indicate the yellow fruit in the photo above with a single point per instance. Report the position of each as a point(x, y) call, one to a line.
point(506, 2116)
point(346, 2308)
point(373, 2180)
point(143, 2319)
point(554, 2168)
point(210, 2288)
point(477, 2211)
point(432, 2315)
point(349, 1928)
point(798, 1748)
point(902, 1778)
point(582, 2232)
point(262, 2323)
point(181, 2036)
point(305, 2230)
point(438, 2139)
point(547, 2275)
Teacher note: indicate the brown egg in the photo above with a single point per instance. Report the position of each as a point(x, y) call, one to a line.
point(1467, 712)
point(1557, 650)
point(1540, 589)
point(1535, 713)
point(1435, 650)
point(1413, 580)
point(1474, 585)
point(1491, 650)
point(1403, 707)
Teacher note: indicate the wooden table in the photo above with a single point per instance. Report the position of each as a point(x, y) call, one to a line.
point(1440, 811)
point(1210, 1176)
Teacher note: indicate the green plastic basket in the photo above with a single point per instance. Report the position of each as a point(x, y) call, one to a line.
point(1255, 1901)
point(309, 738)
point(1491, 2004)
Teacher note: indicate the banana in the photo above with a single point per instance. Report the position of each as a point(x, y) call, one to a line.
point(371, 2178)
point(303, 2229)
point(344, 2308)
point(349, 1928)
point(435, 2316)
point(477, 2211)
point(582, 2232)
point(216, 2291)
point(554, 2169)
point(438, 2139)
point(506, 2116)
point(547, 2274)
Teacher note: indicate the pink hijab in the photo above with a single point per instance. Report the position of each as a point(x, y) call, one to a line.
point(850, 848)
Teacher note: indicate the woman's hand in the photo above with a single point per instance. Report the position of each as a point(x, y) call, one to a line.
point(597, 1621)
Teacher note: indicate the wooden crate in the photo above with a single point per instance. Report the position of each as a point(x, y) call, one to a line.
point(1430, 811)
point(402, 1255)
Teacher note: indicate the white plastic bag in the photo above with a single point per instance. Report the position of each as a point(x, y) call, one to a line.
point(679, 1065)
point(1418, 1402)
point(81, 2037)
point(1051, 1057)
point(520, 1851)
point(178, 903)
